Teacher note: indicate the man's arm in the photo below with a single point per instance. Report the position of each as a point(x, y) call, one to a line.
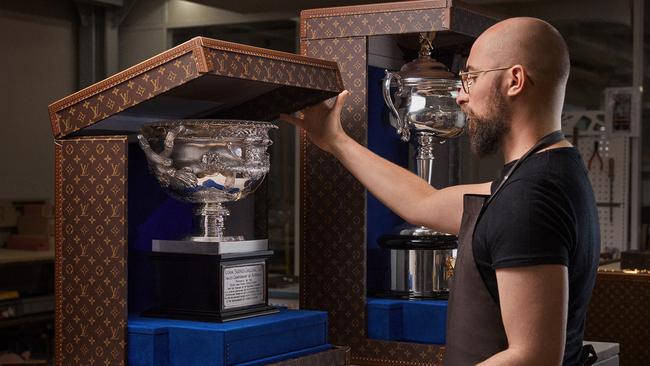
point(405, 193)
point(534, 302)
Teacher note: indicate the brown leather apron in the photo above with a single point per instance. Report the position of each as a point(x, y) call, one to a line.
point(475, 330)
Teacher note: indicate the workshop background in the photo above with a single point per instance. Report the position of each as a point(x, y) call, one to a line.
point(53, 48)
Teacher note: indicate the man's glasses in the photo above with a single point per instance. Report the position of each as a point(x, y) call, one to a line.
point(467, 77)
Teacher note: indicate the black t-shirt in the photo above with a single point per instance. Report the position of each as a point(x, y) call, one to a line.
point(544, 214)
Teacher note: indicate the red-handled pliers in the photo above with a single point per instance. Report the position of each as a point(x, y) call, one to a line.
point(595, 155)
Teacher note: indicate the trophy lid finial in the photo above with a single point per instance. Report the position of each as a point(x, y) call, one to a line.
point(426, 43)
point(425, 67)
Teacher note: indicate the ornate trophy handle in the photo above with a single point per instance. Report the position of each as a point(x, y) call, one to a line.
point(161, 163)
point(401, 127)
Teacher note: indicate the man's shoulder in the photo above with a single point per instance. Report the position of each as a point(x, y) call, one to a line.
point(551, 169)
point(554, 162)
point(537, 191)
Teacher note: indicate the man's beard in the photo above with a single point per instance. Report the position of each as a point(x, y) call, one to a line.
point(486, 132)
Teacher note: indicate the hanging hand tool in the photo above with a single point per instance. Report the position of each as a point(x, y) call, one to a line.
point(595, 155)
point(610, 175)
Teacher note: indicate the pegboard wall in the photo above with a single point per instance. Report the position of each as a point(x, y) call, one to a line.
point(607, 159)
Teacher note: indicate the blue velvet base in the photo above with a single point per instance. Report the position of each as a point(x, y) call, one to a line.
point(422, 321)
point(168, 342)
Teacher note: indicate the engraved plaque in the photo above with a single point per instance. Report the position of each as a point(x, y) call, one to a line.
point(243, 285)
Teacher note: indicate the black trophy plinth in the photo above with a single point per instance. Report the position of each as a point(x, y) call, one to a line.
point(421, 265)
point(209, 286)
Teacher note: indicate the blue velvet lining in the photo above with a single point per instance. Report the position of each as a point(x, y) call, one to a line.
point(152, 214)
point(384, 141)
point(422, 321)
point(171, 342)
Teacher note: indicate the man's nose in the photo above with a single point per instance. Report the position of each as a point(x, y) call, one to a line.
point(462, 97)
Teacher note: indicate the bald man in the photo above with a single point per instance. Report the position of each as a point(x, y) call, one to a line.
point(529, 241)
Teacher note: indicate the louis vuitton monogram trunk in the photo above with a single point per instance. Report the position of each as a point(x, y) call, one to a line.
point(100, 171)
point(333, 220)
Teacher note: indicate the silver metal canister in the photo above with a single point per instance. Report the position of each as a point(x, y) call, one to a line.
point(421, 272)
point(420, 267)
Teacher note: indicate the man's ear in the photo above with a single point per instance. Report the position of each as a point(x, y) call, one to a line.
point(516, 80)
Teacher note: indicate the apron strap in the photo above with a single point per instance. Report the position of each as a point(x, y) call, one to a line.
point(544, 142)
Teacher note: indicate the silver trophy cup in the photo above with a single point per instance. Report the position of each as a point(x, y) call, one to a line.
point(207, 163)
point(209, 276)
point(423, 110)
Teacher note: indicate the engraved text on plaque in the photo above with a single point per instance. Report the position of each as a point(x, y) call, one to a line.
point(243, 285)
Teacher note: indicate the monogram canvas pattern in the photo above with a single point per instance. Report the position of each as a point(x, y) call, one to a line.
point(91, 177)
point(91, 251)
point(190, 60)
point(124, 95)
point(376, 23)
point(618, 312)
point(333, 225)
point(376, 352)
point(333, 258)
point(335, 357)
point(333, 208)
point(272, 70)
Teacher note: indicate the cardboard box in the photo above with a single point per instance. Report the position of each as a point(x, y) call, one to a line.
point(30, 242)
point(44, 209)
point(35, 225)
point(8, 214)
